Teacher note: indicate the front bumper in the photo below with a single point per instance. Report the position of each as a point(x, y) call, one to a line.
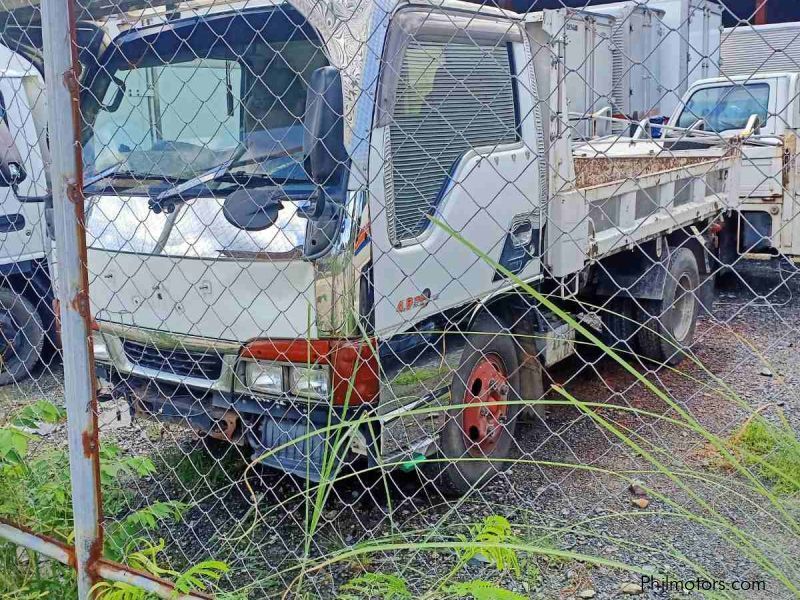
point(282, 431)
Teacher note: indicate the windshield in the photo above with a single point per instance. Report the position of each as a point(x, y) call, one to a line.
point(726, 107)
point(170, 106)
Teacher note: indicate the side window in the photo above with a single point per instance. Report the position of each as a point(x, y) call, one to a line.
point(451, 96)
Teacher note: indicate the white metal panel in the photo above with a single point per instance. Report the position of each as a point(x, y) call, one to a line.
point(218, 299)
point(705, 27)
point(588, 60)
point(747, 50)
point(684, 44)
point(636, 47)
point(762, 172)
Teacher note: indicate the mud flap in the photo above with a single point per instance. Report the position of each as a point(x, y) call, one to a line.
point(531, 375)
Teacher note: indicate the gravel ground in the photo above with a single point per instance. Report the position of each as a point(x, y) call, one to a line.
point(572, 486)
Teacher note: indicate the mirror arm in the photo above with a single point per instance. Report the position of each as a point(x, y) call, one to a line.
point(46, 199)
point(317, 202)
point(118, 97)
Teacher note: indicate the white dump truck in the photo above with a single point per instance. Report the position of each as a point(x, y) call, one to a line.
point(768, 105)
point(264, 198)
point(27, 324)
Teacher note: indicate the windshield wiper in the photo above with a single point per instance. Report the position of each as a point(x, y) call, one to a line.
point(115, 170)
point(166, 200)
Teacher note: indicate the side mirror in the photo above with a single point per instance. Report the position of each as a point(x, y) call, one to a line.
point(323, 141)
point(12, 171)
point(253, 209)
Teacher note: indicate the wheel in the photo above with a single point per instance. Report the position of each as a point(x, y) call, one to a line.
point(21, 336)
point(477, 441)
point(620, 324)
point(672, 320)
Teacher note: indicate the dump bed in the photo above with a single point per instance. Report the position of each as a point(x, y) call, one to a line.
point(630, 191)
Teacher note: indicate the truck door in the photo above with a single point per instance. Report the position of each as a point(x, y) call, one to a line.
point(22, 224)
point(455, 147)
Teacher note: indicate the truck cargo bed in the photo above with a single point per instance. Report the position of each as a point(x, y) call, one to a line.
point(628, 191)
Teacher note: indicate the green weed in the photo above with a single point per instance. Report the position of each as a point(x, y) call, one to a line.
point(774, 450)
point(413, 376)
point(35, 493)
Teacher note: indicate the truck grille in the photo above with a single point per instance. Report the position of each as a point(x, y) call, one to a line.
point(202, 364)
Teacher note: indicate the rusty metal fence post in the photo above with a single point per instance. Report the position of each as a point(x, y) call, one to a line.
point(61, 75)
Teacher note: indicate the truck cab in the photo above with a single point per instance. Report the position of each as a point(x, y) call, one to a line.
point(767, 219)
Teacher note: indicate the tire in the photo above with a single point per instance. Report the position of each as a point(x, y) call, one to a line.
point(620, 324)
point(484, 432)
point(670, 329)
point(21, 337)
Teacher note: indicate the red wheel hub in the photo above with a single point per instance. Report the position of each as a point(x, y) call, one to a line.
point(487, 387)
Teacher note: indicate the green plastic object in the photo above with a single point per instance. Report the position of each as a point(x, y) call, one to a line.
point(411, 464)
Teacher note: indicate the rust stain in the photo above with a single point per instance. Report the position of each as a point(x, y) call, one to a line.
point(593, 171)
point(80, 304)
point(72, 79)
point(66, 548)
point(74, 193)
point(95, 556)
point(88, 443)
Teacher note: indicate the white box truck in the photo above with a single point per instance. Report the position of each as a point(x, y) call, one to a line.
point(636, 72)
point(754, 49)
point(692, 30)
point(288, 276)
point(688, 49)
point(587, 62)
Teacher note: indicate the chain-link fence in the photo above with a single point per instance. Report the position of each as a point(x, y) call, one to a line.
point(375, 299)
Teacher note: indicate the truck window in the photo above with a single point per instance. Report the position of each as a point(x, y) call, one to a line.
point(181, 115)
point(726, 107)
point(451, 96)
point(191, 104)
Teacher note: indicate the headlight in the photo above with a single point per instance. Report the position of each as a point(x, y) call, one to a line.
point(310, 381)
point(100, 348)
point(263, 377)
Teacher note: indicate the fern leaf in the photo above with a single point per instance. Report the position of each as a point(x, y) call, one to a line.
point(484, 539)
point(198, 577)
point(146, 559)
point(482, 590)
point(117, 591)
point(380, 585)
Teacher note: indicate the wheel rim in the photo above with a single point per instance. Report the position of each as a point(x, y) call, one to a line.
point(487, 386)
point(683, 308)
